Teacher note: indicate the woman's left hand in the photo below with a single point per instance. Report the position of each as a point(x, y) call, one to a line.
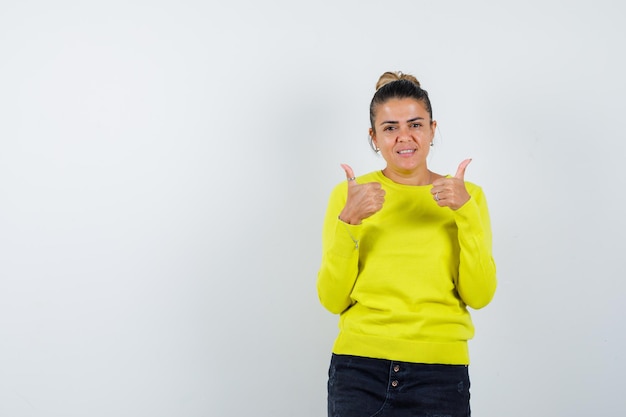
point(451, 192)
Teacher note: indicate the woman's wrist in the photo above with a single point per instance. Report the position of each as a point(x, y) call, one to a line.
point(346, 219)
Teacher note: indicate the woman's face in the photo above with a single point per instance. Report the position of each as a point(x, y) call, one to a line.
point(403, 132)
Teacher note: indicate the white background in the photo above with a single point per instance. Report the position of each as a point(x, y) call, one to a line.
point(165, 167)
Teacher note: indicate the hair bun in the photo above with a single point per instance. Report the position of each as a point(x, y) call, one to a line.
point(391, 76)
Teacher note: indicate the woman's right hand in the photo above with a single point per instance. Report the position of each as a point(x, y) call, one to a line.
point(363, 199)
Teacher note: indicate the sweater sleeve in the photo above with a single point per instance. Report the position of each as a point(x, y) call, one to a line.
point(476, 282)
point(340, 256)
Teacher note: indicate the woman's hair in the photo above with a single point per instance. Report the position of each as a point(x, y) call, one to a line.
point(397, 85)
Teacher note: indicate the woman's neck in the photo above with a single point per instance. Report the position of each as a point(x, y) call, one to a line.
point(424, 177)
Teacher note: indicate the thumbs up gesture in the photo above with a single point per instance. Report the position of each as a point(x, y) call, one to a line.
point(363, 199)
point(451, 192)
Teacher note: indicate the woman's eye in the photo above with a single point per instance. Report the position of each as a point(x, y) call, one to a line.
point(389, 128)
point(417, 125)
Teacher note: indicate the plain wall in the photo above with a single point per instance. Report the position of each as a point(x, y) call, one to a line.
point(165, 167)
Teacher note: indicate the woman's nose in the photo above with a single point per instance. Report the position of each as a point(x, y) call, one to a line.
point(404, 135)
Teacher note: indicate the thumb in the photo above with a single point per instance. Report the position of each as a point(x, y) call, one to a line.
point(460, 172)
point(349, 174)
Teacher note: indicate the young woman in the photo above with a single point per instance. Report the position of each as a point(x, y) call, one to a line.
point(405, 252)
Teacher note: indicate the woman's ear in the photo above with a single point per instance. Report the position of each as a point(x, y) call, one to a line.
point(373, 138)
point(433, 127)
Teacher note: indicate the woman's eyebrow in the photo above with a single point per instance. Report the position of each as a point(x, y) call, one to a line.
point(393, 122)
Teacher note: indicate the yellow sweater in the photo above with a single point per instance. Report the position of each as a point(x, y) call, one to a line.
point(402, 291)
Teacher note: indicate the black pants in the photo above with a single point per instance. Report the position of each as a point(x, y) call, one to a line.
point(366, 387)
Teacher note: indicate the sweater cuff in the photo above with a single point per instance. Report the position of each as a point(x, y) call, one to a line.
point(347, 237)
point(468, 215)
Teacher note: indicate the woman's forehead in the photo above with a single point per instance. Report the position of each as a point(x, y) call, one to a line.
point(402, 109)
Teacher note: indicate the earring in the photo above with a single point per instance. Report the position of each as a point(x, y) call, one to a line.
point(431, 144)
point(372, 145)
